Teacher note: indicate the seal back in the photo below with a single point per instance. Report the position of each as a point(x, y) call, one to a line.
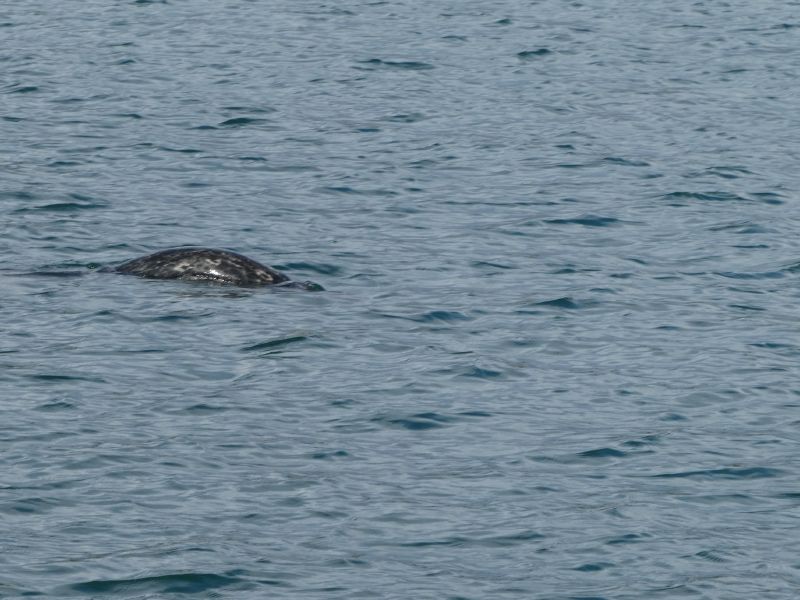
point(203, 264)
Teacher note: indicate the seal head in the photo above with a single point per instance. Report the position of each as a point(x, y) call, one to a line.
point(203, 264)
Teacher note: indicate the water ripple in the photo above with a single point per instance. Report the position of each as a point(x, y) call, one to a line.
point(727, 473)
point(182, 583)
point(559, 354)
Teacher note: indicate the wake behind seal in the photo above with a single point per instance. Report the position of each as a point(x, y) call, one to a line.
point(207, 264)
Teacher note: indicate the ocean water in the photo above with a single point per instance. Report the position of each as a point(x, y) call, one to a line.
point(557, 352)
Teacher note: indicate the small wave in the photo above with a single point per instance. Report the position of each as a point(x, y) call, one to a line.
point(64, 163)
point(431, 316)
point(410, 65)
point(586, 220)
point(512, 539)
point(616, 160)
point(475, 413)
point(768, 197)
point(276, 343)
point(17, 195)
point(775, 346)
point(628, 538)
point(61, 207)
point(741, 227)
point(31, 505)
point(405, 118)
point(712, 556)
point(203, 408)
point(746, 307)
point(478, 373)
point(486, 263)
point(54, 378)
point(186, 583)
point(603, 453)
point(723, 172)
point(416, 422)
point(330, 455)
point(726, 473)
point(497, 541)
point(21, 89)
point(56, 405)
point(241, 122)
point(533, 54)
point(321, 268)
point(762, 275)
point(179, 150)
point(441, 315)
point(344, 189)
point(565, 302)
point(594, 567)
point(180, 317)
point(73, 201)
point(675, 198)
point(265, 110)
point(451, 541)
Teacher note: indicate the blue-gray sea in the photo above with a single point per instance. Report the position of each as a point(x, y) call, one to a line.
point(557, 352)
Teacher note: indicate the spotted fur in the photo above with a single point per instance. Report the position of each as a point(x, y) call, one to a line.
point(202, 264)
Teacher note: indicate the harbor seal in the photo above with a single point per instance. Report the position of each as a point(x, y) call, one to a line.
point(206, 264)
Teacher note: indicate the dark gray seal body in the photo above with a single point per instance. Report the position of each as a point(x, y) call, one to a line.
point(205, 264)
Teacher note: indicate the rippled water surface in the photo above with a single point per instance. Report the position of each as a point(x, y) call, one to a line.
point(557, 354)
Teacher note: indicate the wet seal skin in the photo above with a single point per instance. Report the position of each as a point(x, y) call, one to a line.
point(207, 264)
